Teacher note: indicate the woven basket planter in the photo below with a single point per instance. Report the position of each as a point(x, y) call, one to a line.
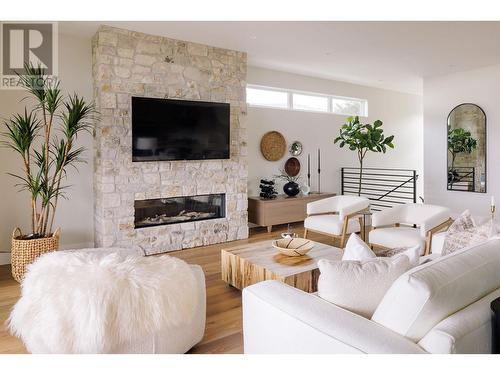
point(25, 251)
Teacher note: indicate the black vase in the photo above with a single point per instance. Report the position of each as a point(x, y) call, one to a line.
point(291, 189)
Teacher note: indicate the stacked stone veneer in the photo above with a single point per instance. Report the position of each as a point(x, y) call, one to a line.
point(127, 63)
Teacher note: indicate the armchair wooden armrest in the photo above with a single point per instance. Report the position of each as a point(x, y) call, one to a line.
point(323, 213)
point(438, 228)
point(345, 224)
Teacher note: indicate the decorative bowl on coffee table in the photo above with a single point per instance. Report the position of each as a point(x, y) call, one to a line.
point(293, 247)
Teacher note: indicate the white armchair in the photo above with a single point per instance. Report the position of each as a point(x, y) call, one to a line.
point(335, 216)
point(408, 225)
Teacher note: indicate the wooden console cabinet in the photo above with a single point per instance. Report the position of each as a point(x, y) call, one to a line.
point(282, 210)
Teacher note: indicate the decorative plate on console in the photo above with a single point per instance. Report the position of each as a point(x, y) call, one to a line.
point(273, 146)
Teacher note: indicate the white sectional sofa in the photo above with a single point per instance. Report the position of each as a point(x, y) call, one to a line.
point(439, 307)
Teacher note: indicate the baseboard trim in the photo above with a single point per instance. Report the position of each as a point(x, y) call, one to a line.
point(5, 256)
point(81, 245)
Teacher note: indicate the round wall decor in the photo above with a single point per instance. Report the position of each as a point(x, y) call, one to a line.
point(295, 148)
point(273, 145)
point(292, 167)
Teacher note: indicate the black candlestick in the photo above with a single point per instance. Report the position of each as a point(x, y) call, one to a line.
point(319, 171)
point(309, 170)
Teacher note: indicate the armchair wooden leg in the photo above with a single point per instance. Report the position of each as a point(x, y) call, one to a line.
point(361, 228)
point(428, 243)
point(344, 232)
point(305, 233)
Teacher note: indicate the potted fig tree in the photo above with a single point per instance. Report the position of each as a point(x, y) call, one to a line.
point(362, 138)
point(45, 138)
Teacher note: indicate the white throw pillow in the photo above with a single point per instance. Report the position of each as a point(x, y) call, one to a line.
point(413, 254)
point(357, 249)
point(359, 286)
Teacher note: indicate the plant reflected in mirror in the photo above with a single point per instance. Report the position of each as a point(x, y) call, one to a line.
point(466, 146)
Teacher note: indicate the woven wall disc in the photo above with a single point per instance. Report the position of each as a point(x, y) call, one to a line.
point(273, 146)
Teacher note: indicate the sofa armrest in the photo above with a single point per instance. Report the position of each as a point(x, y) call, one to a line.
point(278, 318)
point(322, 206)
point(388, 216)
point(468, 331)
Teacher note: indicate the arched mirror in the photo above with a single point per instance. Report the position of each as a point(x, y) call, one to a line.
point(467, 148)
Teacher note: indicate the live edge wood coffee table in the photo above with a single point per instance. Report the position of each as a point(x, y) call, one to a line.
point(245, 265)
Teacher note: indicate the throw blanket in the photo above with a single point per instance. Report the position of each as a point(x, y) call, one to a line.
point(91, 301)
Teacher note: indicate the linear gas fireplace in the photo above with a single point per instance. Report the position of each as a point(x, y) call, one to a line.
point(163, 211)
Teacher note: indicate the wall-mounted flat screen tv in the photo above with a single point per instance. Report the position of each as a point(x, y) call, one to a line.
point(168, 129)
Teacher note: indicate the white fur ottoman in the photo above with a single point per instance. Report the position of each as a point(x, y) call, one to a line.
point(110, 301)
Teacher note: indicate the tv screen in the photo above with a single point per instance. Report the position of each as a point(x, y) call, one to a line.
point(166, 129)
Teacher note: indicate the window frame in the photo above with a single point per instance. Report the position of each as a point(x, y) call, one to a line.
point(288, 98)
point(328, 102)
point(290, 107)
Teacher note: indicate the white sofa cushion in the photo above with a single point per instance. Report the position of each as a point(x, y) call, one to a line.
point(280, 319)
point(397, 237)
point(425, 295)
point(413, 254)
point(466, 332)
point(359, 286)
point(330, 224)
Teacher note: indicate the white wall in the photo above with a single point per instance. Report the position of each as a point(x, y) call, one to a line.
point(441, 95)
point(400, 112)
point(75, 215)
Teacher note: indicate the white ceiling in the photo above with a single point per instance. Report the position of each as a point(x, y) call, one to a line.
point(392, 55)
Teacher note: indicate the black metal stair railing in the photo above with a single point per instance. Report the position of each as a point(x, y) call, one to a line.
point(384, 187)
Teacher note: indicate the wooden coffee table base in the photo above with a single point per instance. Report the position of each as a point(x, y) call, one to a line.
point(249, 264)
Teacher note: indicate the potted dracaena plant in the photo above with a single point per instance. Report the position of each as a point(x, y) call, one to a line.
point(45, 139)
point(363, 138)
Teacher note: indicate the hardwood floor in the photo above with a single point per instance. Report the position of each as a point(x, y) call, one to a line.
point(223, 332)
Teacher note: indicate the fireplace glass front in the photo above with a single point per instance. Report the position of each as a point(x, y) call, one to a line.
point(163, 211)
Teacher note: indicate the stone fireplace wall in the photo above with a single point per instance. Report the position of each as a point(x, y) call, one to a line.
point(127, 63)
